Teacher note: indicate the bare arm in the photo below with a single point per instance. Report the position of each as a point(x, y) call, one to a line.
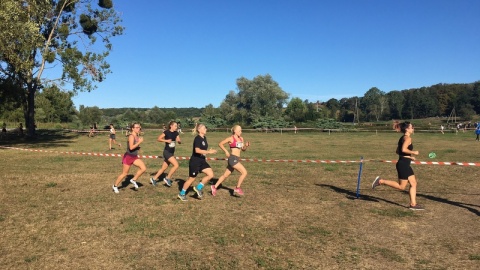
point(221, 145)
point(131, 142)
point(161, 138)
point(205, 152)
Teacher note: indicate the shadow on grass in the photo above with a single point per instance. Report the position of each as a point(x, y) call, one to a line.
point(206, 189)
point(44, 138)
point(353, 196)
point(454, 203)
point(126, 182)
point(230, 190)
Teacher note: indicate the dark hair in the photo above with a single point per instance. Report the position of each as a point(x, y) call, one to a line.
point(133, 125)
point(401, 127)
point(170, 124)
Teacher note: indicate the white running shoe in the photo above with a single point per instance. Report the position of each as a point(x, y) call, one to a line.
point(115, 189)
point(134, 184)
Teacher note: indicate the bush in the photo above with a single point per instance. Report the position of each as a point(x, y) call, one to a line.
point(328, 124)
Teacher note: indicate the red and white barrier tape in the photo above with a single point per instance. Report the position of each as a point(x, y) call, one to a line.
point(432, 162)
point(255, 159)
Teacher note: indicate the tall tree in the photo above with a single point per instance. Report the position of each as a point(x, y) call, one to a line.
point(261, 97)
point(396, 101)
point(90, 115)
point(333, 106)
point(374, 103)
point(296, 110)
point(39, 34)
point(62, 105)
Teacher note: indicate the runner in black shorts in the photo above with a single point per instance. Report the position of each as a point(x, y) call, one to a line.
point(170, 138)
point(198, 163)
point(404, 170)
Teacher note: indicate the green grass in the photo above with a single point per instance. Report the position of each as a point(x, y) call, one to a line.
point(57, 210)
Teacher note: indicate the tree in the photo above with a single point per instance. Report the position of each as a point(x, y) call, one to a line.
point(374, 103)
point(296, 110)
point(396, 101)
point(10, 96)
point(90, 115)
point(43, 110)
point(36, 35)
point(314, 110)
point(156, 115)
point(62, 109)
point(231, 110)
point(260, 97)
point(333, 105)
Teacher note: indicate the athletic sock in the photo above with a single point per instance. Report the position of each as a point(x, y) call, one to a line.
point(200, 186)
point(183, 192)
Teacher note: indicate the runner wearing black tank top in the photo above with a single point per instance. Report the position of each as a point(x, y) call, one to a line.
point(404, 170)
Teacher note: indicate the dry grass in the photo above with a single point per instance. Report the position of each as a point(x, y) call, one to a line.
point(57, 211)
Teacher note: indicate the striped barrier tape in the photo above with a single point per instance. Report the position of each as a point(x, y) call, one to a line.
point(432, 162)
point(256, 159)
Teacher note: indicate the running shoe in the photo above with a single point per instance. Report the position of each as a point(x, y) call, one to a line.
point(153, 181)
point(238, 191)
point(416, 207)
point(199, 192)
point(167, 181)
point(134, 184)
point(214, 190)
point(115, 189)
point(183, 198)
point(376, 182)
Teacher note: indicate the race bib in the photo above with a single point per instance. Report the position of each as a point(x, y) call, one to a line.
point(239, 144)
point(172, 144)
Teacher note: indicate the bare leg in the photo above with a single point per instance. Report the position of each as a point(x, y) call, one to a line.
point(125, 170)
point(413, 190)
point(208, 176)
point(224, 176)
point(239, 167)
point(401, 184)
point(141, 169)
point(164, 167)
point(188, 183)
point(175, 165)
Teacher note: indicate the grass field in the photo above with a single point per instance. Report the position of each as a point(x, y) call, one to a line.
point(57, 211)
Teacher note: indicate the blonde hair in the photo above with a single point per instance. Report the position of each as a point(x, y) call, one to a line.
point(197, 126)
point(234, 128)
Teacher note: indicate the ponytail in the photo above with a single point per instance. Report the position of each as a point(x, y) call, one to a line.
point(401, 127)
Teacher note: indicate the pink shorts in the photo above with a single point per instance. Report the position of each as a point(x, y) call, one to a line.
point(129, 159)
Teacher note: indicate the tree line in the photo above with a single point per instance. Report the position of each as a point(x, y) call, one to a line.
point(259, 103)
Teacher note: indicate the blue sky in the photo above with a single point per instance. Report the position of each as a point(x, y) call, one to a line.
point(186, 53)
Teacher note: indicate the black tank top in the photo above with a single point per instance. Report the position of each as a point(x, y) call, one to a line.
point(399, 148)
